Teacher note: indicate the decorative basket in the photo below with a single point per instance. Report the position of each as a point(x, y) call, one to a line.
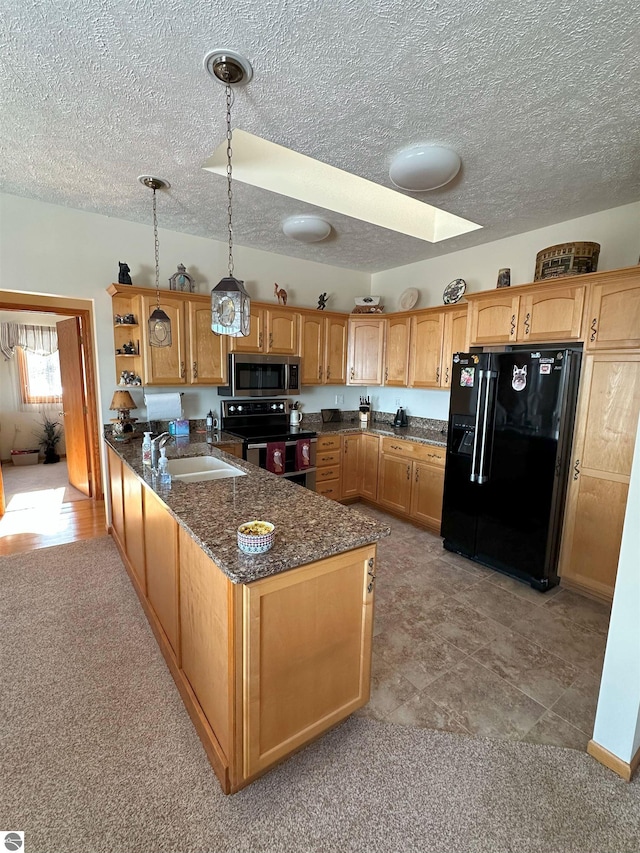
point(567, 259)
point(24, 457)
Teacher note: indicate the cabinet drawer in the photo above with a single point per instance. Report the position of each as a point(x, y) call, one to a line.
point(432, 453)
point(328, 442)
point(329, 490)
point(332, 457)
point(330, 473)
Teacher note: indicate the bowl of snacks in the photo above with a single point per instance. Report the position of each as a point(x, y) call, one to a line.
point(256, 537)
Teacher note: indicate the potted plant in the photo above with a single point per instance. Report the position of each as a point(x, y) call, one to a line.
point(48, 438)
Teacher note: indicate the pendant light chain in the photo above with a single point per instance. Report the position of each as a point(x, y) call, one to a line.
point(157, 248)
point(229, 171)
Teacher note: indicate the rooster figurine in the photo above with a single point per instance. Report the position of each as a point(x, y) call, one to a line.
point(281, 293)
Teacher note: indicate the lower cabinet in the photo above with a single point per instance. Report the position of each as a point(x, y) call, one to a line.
point(369, 457)
point(265, 667)
point(351, 469)
point(115, 491)
point(304, 675)
point(411, 480)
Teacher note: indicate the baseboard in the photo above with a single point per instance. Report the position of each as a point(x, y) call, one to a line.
point(612, 761)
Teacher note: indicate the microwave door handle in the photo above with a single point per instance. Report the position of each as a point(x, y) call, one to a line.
point(476, 432)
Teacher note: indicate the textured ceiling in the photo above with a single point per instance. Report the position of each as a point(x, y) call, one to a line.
point(539, 98)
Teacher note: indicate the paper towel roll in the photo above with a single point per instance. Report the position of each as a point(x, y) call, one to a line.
point(163, 407)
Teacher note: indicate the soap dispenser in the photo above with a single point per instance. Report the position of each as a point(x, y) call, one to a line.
point(146, 450)
point(164, 476)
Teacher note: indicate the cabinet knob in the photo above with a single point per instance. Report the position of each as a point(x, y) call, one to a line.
point(446, 376)
point(438, 374)
point(352, 374)
point(417, 474)
point(328, 372)
point(270, 340)
point(195, 369)
point(408, 472)
point(260, 339)
point(320, 372)
point(386, 373)
point(527, 328)
point(594, 329)
point(182, 370)
point(576, 469)
point(371, 574)
point(513, 324)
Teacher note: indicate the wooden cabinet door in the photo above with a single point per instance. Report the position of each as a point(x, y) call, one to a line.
point(350, 466)
point(161, 544)
point(115, 488)
point(301, 675)
point(134, 524)
point(454, 339)
point(606, 425)
point(396, 368)
point(255, 340)
point(426, 350)
point(613, 320)
point(426, 494)
point(366, 350)
point(164, 365)
point(206, 637)
point(369, 459)
point(394, 483)
point(552, 314)
point(312, 347)
point(494, 319)
point(335, 353)
point(282, 331)
point(208, 364)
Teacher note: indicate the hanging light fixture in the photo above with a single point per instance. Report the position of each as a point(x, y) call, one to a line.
point(159, 322)
point(230, 302)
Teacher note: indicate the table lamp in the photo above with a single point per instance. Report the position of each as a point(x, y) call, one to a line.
point(122, 403)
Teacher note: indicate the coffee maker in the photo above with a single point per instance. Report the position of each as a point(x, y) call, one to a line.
point(400, 419)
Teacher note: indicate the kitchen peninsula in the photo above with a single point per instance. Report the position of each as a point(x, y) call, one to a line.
point(267, 651)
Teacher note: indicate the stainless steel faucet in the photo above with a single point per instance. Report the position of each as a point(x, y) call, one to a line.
point(156, 443)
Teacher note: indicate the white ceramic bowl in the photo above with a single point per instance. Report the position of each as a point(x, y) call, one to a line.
point(256, 543)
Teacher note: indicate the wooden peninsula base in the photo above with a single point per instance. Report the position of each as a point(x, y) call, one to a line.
point(263, 667)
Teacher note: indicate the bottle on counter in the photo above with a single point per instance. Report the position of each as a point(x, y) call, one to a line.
point(209, 421)
point(164, 477)
point(146, 450)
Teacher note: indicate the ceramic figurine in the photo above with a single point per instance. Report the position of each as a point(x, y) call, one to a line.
point(280, 293)
point(123, 275)
point(322, 301)
point(504, 277)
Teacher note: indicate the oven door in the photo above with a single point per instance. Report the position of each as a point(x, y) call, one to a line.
point(257, 455)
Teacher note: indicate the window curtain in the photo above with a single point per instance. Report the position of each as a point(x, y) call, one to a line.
point(43, 340)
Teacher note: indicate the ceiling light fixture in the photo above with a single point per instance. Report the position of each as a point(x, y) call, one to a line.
point(230, 302)
point(159, 322)
point(307, 228)
point(419, 168)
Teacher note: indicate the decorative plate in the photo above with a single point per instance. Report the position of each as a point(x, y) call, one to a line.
point(409, 298)
point(454, 290)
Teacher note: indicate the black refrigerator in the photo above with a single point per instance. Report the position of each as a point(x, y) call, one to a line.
point(509, 439)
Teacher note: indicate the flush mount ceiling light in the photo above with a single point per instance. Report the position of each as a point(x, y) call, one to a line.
point(230, 303)
point(159, 322)
point(419, 168)
point(280, 170)
point(307, 228)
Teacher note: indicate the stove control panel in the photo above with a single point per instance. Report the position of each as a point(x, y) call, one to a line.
point(254, 408)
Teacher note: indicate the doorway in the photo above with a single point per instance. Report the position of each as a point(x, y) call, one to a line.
point(75, 519)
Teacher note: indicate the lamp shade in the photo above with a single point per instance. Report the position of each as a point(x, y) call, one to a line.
point(307, 229)
point(424, 167)
point(122, 400)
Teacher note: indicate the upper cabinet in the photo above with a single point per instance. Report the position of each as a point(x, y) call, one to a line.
point(323, 347)
point(366, 350)
point(273, 330)
point(207, 362)
point(164, 365)
point(493, 317)
point(454, 339)
point(551, 314)
point(613, 317)
point(426, 349)
point(396, 360)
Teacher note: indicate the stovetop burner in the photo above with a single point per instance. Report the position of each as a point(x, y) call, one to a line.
point(261, 421)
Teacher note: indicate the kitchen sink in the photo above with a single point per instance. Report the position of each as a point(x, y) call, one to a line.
point(197, 468)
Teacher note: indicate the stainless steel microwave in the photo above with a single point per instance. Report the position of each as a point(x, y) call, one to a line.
point(262, 375)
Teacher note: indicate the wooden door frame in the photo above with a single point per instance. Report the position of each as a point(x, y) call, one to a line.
point(67, 307)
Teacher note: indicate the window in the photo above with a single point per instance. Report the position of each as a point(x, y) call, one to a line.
point(39, 377)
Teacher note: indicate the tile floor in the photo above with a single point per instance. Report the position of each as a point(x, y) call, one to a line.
point(464, 649)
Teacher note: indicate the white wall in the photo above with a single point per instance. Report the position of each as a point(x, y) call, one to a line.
point(59, 251)
point(18, 427)
point(617, 726)
point(617, 230)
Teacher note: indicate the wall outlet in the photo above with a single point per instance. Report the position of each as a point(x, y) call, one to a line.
point(339, 399)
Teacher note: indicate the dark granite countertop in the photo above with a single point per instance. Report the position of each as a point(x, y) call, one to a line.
point(419, 435)
point(308, 526)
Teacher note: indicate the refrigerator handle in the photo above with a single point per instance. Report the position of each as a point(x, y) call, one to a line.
point(482, 477)
point(476, 432)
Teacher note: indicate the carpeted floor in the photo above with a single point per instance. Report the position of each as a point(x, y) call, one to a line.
point(98, 753)
point(28, 486)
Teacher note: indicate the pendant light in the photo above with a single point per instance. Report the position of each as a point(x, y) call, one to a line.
point(230, 302)
point(159, 322)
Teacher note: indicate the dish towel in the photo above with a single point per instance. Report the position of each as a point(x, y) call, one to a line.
point(303, 454)
point(275, 457)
